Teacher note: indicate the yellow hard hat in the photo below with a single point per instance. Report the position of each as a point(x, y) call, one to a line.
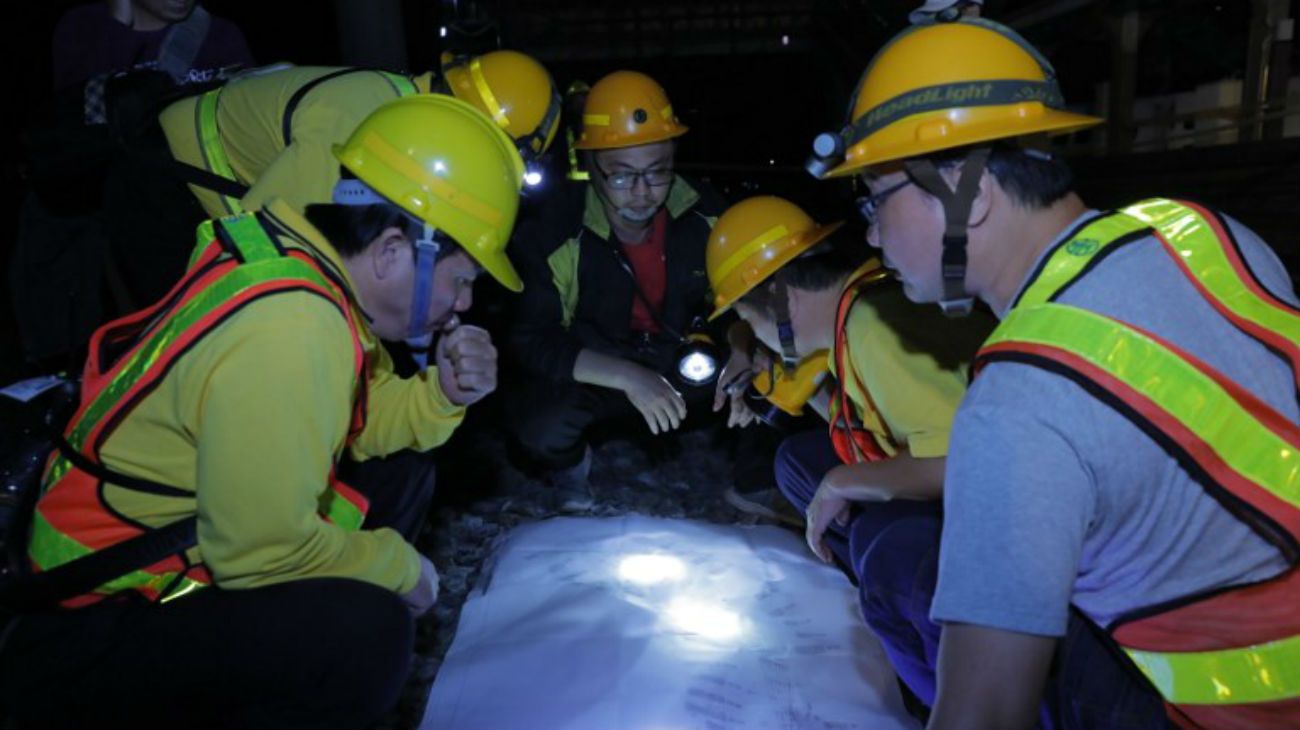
point(514, 90)
point(941, 86)
point(790, 391)
point(753, 239)
point(446, 164)
point(626, 109)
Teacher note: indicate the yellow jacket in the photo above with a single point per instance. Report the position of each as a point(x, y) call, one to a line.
point(914, 362)
point(250, 120)
point(253, 419)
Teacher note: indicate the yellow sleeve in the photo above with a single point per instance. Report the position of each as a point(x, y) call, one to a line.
point(274, 410)
point(898, 351)
point(404, 413)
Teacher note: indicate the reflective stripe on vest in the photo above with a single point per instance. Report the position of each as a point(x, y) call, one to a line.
point(853, 442)
point(71, 519)
point(214, 151)
point(1248, 453)
point(403, 85)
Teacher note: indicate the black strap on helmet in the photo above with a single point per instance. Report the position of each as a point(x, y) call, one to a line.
point(956, 301)
point(527, 150)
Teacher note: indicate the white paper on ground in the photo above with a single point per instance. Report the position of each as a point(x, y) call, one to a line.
point(640, 623)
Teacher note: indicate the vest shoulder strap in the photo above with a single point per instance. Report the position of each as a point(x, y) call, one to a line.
point(402, 85)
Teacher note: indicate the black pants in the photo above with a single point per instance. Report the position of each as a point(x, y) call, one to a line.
point(399, 487)
point(319, 653)
point(322, 653)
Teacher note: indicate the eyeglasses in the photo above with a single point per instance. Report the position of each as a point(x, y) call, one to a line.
point(869, 205)
point(654, 178)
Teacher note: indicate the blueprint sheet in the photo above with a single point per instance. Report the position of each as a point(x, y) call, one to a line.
point(640, 623)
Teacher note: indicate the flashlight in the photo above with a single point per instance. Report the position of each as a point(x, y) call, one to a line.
point(697, 359)
point(533, 177)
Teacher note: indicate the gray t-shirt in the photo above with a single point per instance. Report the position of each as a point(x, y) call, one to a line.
point(1052, 497)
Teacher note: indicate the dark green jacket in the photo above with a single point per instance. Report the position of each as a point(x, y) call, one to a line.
point(576, 293)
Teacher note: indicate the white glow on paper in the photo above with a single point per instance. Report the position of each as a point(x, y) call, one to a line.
point(708, 620)
point(651, 569)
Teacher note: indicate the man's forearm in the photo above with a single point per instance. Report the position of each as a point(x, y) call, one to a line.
point(597, 368)
point(989, 679)
point(902, 477)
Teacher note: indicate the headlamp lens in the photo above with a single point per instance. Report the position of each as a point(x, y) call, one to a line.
point(697, 367)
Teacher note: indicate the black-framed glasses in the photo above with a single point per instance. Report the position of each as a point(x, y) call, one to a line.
point(869, 205)
point(655, 177)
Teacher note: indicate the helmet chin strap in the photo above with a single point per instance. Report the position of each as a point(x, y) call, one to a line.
point(956, 302)
point(418, 336)
point(784, 327)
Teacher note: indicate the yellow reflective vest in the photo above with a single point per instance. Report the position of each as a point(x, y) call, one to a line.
point(1229, 660)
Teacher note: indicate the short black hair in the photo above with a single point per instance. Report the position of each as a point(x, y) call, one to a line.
point(350, 228)
point(1032, 178)
point(818, 269)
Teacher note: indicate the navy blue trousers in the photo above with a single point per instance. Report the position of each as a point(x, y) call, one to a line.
point(891, 549)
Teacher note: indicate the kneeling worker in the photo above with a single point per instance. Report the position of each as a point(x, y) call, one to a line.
point(615, 274)
point(227, 406)
point(901, 373)
point(1129, 449)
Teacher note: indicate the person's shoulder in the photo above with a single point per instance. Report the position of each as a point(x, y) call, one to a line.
point(884, 313)
point(1263, 260)
point(228, 38)
point(82, 19)
point(87, 12)
point(221, 27)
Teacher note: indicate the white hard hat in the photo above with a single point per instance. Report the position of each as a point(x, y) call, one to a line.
point(930, 8)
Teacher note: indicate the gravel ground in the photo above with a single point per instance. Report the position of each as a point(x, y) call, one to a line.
point(682, 476)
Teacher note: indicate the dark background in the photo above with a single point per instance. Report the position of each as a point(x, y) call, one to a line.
point(755, 80)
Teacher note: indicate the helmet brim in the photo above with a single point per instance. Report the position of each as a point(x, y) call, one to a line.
point(1051, 122)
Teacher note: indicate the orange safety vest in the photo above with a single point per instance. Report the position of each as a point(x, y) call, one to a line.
point(853, 443)
point(1228, 659)
point(240, 262)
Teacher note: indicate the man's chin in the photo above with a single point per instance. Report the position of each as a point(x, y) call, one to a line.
point(915, 293)
point(637, 216)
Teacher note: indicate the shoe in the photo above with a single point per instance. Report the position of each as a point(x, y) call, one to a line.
point(578, 475)
point(768, 504)
point(570, 487)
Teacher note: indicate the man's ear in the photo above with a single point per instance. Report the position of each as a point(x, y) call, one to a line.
point(388, 252)
point(979, 207)
point(794, 300)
